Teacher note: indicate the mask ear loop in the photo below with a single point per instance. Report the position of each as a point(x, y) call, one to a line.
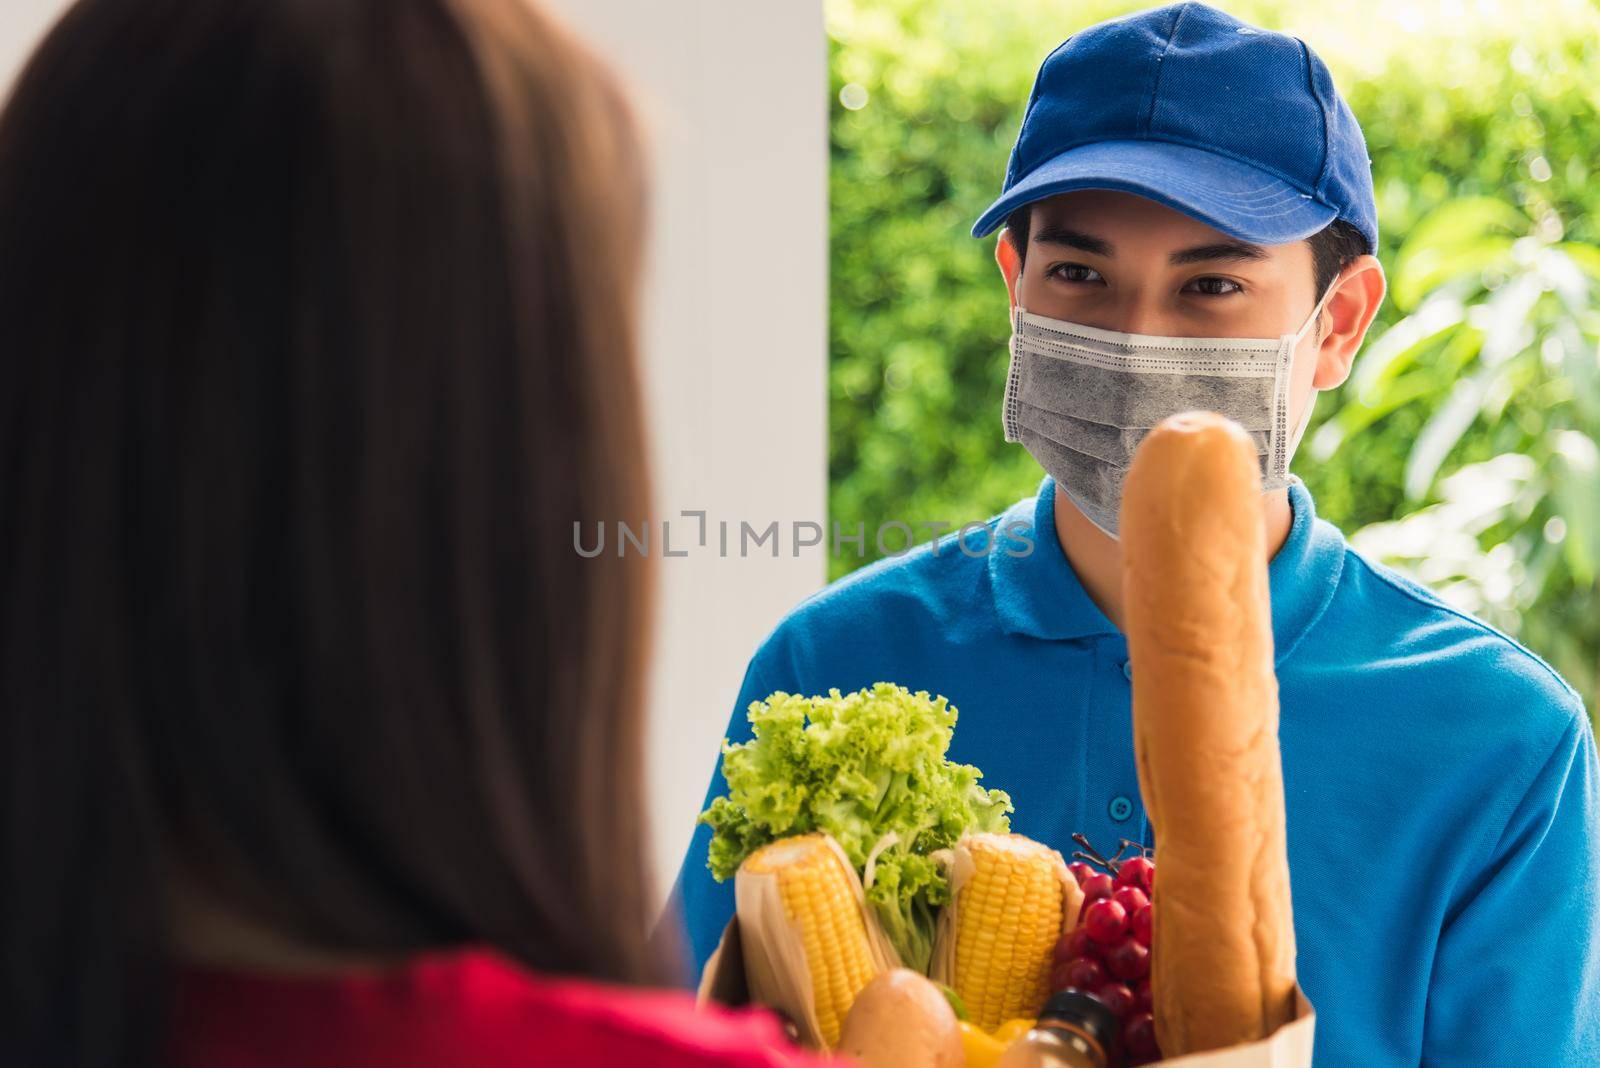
point(1010, 422)
point(1316, 312)
point(1291, 343)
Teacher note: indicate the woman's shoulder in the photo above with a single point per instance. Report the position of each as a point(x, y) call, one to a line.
point(473, 1009)
point(665, 1026)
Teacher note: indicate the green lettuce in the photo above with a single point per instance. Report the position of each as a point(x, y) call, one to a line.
point(868, 768)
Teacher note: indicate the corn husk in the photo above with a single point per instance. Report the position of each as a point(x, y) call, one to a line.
point(959, 866)
point(774, 951)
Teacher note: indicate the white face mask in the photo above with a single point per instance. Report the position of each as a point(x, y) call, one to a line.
point(1081, 399)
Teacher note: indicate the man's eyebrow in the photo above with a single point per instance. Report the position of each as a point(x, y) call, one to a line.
point(1062, 235)
point(1221, 250)
point(1099, 246)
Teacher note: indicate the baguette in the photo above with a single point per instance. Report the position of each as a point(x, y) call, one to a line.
point(1205, 725)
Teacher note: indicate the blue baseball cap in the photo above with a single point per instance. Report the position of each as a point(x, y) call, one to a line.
point(1237, 126)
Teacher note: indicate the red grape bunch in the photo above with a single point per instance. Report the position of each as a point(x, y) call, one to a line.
point(1108, 953)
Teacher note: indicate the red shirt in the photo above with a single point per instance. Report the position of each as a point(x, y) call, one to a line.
point(460, 1010)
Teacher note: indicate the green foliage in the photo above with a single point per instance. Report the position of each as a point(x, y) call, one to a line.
point(1499, 346)
point(1478, 383)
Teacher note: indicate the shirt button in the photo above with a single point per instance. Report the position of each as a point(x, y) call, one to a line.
point(1127, 670)
point(1121, 808)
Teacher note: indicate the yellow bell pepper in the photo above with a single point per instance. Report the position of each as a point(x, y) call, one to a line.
point(1012, 1030)
point(983, 1049)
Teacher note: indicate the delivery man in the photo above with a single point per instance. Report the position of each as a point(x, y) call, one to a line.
point(1188, 187)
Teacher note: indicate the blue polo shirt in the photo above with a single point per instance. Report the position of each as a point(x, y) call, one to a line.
point(1440, 779)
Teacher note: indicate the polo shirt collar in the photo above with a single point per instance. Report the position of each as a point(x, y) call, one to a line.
point(1039, 595)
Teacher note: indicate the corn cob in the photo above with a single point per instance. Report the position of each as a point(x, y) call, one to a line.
point(810, 944)
point(1011, 900)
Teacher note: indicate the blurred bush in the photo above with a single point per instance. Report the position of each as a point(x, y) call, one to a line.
point(1462, 450)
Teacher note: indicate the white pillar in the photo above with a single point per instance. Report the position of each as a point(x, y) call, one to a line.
point(22, 24)
point(735, 97)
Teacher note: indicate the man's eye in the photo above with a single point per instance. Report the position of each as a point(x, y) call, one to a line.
point(1215, 287)
point(1075, 272)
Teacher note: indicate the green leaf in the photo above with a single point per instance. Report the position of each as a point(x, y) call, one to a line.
point(1463, 237)
point(1444, 429)
point(1507, 318)
point(1356, 416)
point(957, 1006)
point(1586, 256)
point(1577, 492)
point(1428, 268)
point(1400, 346)
point(1462, 221)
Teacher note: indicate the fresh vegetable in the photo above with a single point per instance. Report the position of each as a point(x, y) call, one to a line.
point(957, 1006)
point(983, 1049)
point(868, 768)
point(805, 931)
point(900, 1020)
point(1012, 1030)
point(996, 938)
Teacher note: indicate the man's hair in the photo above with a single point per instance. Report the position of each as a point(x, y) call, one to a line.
point(1332, 247)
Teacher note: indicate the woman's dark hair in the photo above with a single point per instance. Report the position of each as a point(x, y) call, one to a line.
point(317, 319)
point(1333, 247)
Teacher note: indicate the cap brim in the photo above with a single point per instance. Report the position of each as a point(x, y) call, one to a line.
point(1236, 198)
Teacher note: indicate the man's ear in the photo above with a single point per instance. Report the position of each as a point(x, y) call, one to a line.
point(1357, 295)
point(1005, 254)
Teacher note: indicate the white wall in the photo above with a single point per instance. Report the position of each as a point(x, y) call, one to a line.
point(735, 96)
point(735, 93)
point(22, 23)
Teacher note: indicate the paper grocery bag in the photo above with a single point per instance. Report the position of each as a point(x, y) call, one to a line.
point(1288, 1047)
point(723, 981)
